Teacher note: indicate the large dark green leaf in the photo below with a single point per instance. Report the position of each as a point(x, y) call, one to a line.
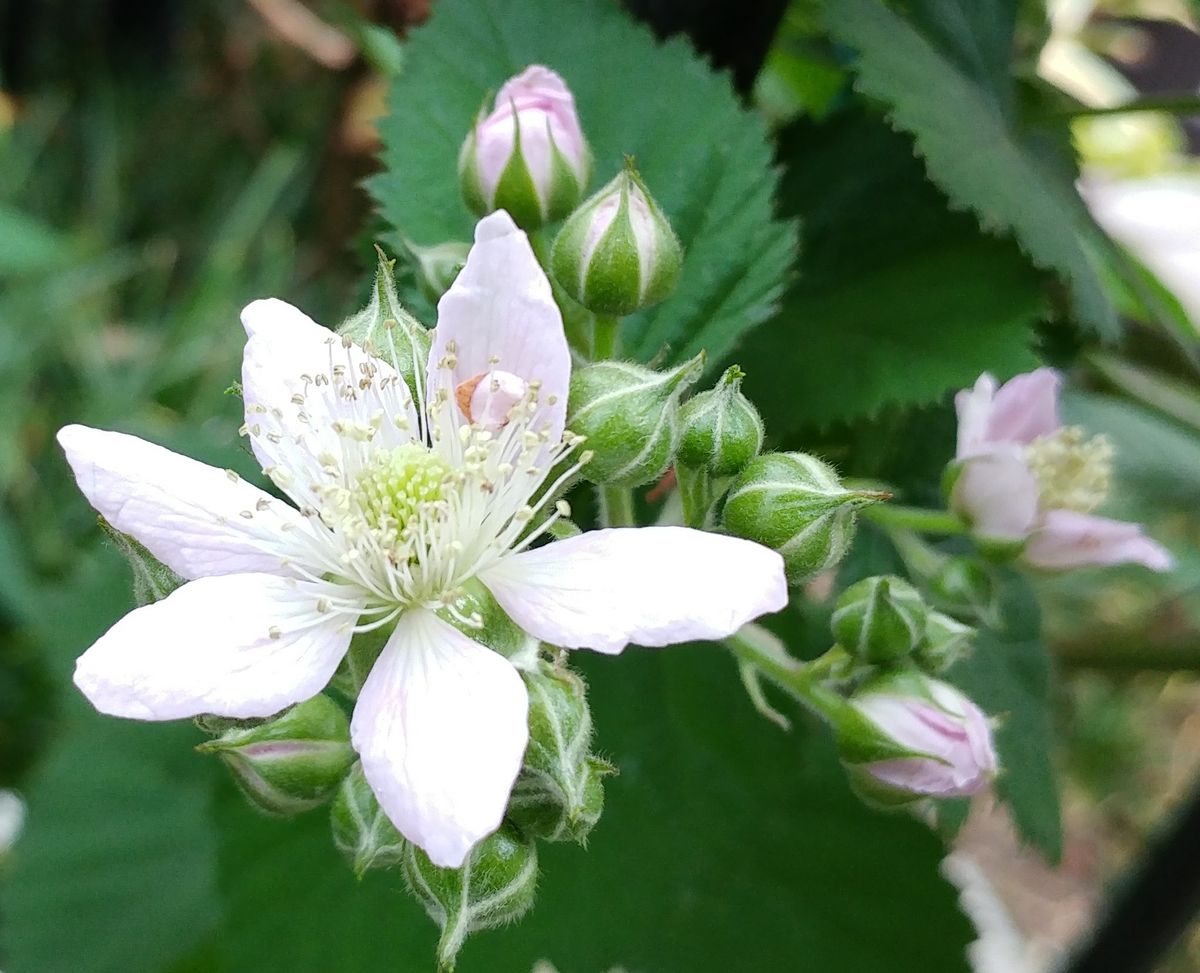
point(899, 300)
point(706, 159)
point(725, 845)
point(943, 75)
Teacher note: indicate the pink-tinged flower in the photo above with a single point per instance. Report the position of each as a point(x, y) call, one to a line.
point(396, 508)
point(1026, 479)
point(528, 156)
point(945, 740)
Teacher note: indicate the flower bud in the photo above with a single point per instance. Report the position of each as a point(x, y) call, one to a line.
point(528, 156)
point(630, 417)
point(962, 584)
point(290, 763)
point(559, 793)
point(920, 738)
point(361, 831)
point(152, 580)
point(495, 886)
point(437, 267)
point(720, 430)
point(946, 641)
point(385, 329)
point(794, 503)
point(880, 620)
point(617, 253)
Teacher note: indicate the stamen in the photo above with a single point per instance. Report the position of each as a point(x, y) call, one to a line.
point(1073, 471)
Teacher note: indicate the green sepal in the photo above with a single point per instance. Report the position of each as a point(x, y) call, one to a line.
point(516, 191)
point(356, 664)
point(947, 640)
point(361, 830)
point(152, 580)
point(292, 762)
point(469, 182)
point(475, 612)
point(438, 266)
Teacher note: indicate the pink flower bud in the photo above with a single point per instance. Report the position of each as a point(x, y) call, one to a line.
point(528, 156)
point(933, 741)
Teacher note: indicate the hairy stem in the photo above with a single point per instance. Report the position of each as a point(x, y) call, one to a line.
point(616, 507)
point(895, 516)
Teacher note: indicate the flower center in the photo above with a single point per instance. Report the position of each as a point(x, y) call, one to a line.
point(395, 488)
point(1072, 470)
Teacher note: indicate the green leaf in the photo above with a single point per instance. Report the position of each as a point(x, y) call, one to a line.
point(899, 300)
point(1009, 675)
point(706, 159)
point(954, 101)
point(725, 845)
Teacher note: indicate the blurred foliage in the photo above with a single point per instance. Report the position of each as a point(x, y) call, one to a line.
point(149, 190)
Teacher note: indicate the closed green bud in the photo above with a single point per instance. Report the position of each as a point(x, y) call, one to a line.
point(629, 415)
point(946, 641)
point(962, 584)
point(437, 267)
point(495, 886)
point(385, 329)
point(559, 793)
point(721, 431)
point(152, 580)
point(291, 762)
point(617, 253)
point(880, 620)
point(794, 503)
point(361, 831)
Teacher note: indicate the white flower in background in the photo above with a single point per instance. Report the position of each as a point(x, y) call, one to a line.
point(398, 506)
point(1026, 478)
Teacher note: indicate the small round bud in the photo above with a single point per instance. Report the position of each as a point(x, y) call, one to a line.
point(630, 417)
point(385, 329)
point(617, 253)
point(946, 641)
point(720, 430)
point(361, 830)
point(794, 503)
point(962, 584)
point(495, 886)
point(290, 763)
point(559, 793)
point(880, 620)
point(918, 738)
point(437, 267)
point(528, 155)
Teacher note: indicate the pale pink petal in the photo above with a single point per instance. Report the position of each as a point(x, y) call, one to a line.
point(196, 519)
point(974, 407)
point(499, 314)
point(1025, 407)
point(996, 494)
point(241, 645)
point(1066, 539)
point(440, 726)
point(650, 585)
point(310, 395)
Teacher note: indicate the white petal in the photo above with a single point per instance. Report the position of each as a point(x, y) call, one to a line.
point(310, 397)
point(440, 726)
point(974, 407)
point(210, 647)
point(499, 314)
point(997, 494)
point(196, 519)
point(650, 585)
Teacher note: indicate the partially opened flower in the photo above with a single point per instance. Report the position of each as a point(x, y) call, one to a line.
point(1025, 478)
point(399, 506)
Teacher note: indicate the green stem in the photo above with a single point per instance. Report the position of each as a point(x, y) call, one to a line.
point(606, 337)
point(801, 680)
point(616, 507)
point(896, 516)
point(695, 495)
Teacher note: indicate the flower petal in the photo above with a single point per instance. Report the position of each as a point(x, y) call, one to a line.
point(499, 314)
point(997, 494)
point(974, 408)
point(440, 726)
point(1067, 539)
point(1025, 407)
point(310, 397)
point(650, 585)
point(196, 519)
point(241, 645)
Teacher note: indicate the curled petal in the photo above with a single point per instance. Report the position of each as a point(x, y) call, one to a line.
point(499, 314)
point(1025, 407)
point(650, 585)
point(440, 726)
point(240, 645)
point(196, 519)
point(1066, 539)
point(997, 494)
